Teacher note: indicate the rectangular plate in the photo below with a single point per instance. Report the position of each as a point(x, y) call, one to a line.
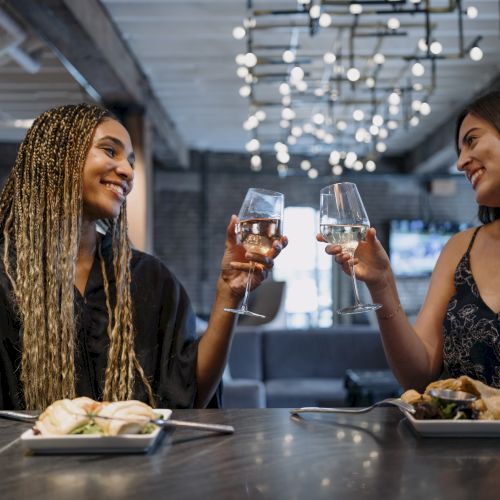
point(455, 428)
point(92, 443)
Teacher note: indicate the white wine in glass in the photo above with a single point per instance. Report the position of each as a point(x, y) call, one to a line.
point(259, 224)
point(344, 222)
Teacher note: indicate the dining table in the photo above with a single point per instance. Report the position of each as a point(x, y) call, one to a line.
point(271, 455)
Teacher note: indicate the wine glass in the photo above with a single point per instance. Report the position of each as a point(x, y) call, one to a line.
point(259, 223)
point(343, 221)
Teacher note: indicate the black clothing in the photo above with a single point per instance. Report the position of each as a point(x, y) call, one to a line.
point(165, 340)
point(471, 330)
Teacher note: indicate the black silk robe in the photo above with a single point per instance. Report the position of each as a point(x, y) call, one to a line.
point(165, 339)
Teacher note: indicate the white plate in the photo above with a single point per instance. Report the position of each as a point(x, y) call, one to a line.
point(455, 428)
point(92, 443)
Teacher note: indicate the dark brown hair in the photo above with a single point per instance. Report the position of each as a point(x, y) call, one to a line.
point(486, 107)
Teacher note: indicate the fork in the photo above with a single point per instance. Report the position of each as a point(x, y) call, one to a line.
point(385, 402)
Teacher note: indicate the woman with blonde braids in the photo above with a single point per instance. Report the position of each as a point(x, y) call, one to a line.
point(81, 313)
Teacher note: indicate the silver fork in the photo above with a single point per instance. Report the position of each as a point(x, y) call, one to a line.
point(385, 402)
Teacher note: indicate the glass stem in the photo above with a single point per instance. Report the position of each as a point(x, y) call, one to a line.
point(244, 304)
point(354, 284)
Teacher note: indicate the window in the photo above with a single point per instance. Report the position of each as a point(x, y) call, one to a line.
point(307, 271)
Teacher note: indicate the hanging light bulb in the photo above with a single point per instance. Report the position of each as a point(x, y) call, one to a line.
point(329, 58)
point(296, 74)
point(296, 131)
point(279, 146)
point(282, 170)
point(256, 161)
point(392, 124)
point(370, 166)
point(350, 158)
point(425, 109)
point(422, 45)
point(242, 71)
point(370, 82)
point(358, 115)
point(245, 91)
point(312, 173)
point(418, 69)
point(252, 145)
point(353, 74)
point(394, 98)
point(337, 170)
point(288, 114)
point(393, 110)
point(239, 32)
point(260, 115)
point(374, 130)
point(305, 164)
point(318, 118)
point(414, 121)
point(286, 100)
point(476, 54)
point(240, 59)
point(358, 165)
point(341, 125)
point(383, 133)
point(284, 89)
point(416, 104)
point(334, 157)
point(301, 86)
point(436, 48)
point(250, 59)
point(292, 140)
point(329, 138)
point(325, 20)
point(378, 120)
point(288, 56)
point(282, 156)
point(355, 9)
point(472, 12)
point(315, 11)
point(379, 58)
point(393, 23)
point(284, 123)
point(381, 147)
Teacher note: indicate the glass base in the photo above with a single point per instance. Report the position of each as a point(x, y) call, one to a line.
point(359, 308)
point(245, 312)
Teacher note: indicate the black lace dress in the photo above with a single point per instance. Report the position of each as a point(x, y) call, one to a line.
point(471, 330)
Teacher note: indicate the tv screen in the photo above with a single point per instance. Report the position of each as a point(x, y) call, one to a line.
point(414, 245)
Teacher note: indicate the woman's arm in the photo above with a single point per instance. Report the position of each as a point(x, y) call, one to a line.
point(414, 353)
point(214, 345)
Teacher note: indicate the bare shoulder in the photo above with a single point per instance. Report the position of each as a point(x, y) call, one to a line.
point(456, 246)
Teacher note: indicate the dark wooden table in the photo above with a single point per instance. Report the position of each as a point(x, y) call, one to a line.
point(272, 456)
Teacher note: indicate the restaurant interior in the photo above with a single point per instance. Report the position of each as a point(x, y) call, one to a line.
point(287, 95)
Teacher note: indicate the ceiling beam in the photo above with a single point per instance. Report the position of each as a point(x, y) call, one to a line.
point(87, 42)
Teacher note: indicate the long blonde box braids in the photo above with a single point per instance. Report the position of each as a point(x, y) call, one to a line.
point(40, 217)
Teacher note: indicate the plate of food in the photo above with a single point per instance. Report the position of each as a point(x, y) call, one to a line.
point(438, 417)
point(83, 425)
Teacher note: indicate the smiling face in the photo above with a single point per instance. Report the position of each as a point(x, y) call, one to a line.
point(108, 172)
point(479, 159)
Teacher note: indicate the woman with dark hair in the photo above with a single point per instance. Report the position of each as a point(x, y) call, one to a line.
point(81, 313)
point(457, 331)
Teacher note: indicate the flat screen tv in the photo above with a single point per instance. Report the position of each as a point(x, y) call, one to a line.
point(415, 245)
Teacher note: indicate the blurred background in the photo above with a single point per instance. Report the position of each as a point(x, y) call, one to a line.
point(287, 95)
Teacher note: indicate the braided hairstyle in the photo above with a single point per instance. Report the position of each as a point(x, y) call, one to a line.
point(40, 222)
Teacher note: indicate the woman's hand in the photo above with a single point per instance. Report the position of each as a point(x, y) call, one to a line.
point(371, 260)
point(236, 262)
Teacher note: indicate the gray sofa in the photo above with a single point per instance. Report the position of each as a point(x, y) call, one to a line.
point(289, 368)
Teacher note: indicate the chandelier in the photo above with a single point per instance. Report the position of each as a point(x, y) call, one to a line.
point(340, 79)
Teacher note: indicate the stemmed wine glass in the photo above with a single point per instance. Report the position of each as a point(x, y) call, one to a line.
point(344, 222)
point(260, 222)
